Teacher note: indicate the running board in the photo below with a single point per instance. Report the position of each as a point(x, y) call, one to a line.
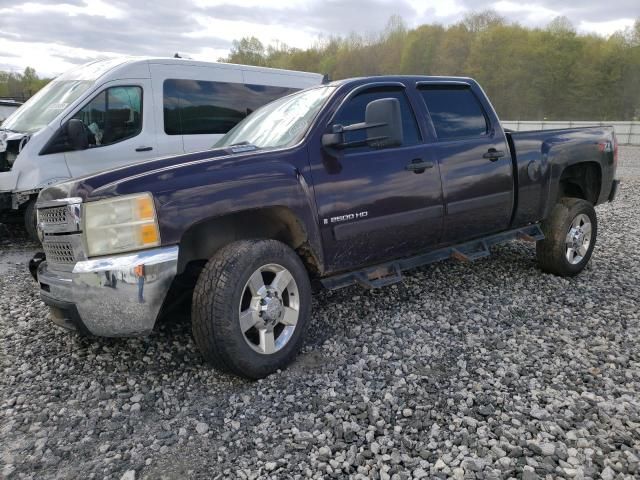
point(391, 272)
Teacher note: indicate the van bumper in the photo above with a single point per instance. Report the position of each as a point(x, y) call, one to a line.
point(104, 296)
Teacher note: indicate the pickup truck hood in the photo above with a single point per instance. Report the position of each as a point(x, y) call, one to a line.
point(103, 184)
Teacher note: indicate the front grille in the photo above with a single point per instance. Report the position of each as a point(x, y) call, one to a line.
point(53, 216)
point(59, 251)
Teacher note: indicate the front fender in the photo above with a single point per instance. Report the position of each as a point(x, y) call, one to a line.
point(239, 189)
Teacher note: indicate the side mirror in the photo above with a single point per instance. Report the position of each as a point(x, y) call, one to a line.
point(386, 114)
point(77, 134)
point(383, 122)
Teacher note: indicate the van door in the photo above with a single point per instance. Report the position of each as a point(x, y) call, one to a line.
point(120, 125)
point(202, 103)
point(198, 105)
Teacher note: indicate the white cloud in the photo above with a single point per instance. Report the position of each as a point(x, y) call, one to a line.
point(54, 35)
point(606, 28)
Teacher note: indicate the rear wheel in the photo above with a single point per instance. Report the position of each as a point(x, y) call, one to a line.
point(251, 307)
point(570, 236)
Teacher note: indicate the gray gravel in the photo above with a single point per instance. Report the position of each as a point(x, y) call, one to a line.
point(487, 370)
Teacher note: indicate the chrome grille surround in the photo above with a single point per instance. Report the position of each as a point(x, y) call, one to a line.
point(59, 228)
point(64, 251)
point(59, 216)
point(59, 251)
point(53, 216)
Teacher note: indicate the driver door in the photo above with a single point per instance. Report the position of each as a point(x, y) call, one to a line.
point(120, 126)
point(373, 204)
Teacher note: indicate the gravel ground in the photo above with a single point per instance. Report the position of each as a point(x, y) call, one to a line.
point(484, 370)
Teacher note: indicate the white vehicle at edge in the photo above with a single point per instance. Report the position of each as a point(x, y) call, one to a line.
point(7, 107)
point(111, 113)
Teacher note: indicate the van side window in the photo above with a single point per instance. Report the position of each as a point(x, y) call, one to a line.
point(354, 110)
point(115, 114)
point(455, 111)
point(195, 107)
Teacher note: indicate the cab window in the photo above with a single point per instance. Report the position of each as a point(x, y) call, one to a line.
point(354, 111)
point(455, 111)
point(113, 115)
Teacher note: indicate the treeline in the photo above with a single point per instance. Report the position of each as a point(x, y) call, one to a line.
point(20, 86)
point(549, 73)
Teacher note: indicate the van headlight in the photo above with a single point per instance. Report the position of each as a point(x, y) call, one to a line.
point(120, 224)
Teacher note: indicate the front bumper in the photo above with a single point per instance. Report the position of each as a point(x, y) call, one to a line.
point(110, 296)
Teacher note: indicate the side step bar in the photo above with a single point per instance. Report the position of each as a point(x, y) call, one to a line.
point(391, 272)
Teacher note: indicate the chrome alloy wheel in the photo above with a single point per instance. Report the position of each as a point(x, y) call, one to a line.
point(578, 239)
point(269, 308)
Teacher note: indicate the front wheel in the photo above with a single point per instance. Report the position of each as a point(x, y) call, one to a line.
point(251, 307)
point(570, 236)
point(30, 220)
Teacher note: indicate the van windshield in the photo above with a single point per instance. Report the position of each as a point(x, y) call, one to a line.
point(281, 123)
point(45, 105)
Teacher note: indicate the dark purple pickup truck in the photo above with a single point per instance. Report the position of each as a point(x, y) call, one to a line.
point(348, 182)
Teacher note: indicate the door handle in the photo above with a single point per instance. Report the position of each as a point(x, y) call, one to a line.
point(144, 149)
point(493, 154)
point(418, 166)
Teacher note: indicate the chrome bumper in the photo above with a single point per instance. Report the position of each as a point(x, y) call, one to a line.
point(108, 296)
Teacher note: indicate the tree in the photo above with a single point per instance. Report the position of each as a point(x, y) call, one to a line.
point(481, 21)
point(551, 72)
point(247, 51)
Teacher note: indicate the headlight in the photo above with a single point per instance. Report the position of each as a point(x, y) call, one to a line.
point(120, 224)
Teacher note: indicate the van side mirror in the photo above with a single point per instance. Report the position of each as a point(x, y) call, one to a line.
point(77, 134)
point(383, 122)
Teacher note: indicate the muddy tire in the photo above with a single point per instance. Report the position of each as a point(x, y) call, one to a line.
point(251, 307)
point(570, 236)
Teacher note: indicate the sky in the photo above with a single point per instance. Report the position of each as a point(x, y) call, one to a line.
point(53, 36)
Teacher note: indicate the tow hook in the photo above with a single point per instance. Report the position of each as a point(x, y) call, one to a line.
point(34, 263)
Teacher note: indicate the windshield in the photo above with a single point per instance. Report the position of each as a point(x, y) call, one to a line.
point(281, 123)
point(45, 105)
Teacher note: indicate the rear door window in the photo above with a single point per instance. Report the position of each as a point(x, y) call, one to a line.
point(455, 111)
point(195, 107)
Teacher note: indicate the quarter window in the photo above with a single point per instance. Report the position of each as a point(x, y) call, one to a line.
point(455, 111)
point(113, 115)
point(194, 107)
point(354, 112)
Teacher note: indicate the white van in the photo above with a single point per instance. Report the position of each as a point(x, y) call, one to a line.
point(111, 113)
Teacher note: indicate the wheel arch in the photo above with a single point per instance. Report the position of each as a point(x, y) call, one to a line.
point(581, 180)
point(203, 239)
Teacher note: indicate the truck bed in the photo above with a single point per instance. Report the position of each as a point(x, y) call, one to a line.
point(542, 157)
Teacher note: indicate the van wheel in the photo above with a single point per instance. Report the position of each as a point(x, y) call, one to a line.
point(570, 236)
point(31, 221)
point(251, 307)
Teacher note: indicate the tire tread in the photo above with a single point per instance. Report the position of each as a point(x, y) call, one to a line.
point(211, 327)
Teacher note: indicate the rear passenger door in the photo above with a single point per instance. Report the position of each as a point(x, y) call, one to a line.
point(474, 159)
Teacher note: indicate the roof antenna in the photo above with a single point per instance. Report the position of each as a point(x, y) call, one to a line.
point(176, 55)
